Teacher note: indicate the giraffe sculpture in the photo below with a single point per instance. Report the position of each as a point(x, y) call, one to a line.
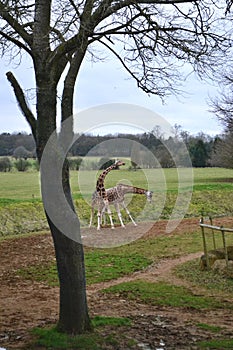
point(115, 195)
point(101, 195)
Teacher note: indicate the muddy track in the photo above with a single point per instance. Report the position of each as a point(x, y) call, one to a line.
point(155, 272)
point(26, 304)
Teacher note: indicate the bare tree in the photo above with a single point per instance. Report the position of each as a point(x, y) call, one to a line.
point(152, 39)
point(222, 106)
point(222, 155)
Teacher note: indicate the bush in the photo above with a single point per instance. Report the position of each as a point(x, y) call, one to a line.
point(5, 164)
point(74, 163)
point(36, 165)
point(22, 164)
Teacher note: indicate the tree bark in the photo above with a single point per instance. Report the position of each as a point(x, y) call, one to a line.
point(73, 316)
point(23, 105)
point(73, 313)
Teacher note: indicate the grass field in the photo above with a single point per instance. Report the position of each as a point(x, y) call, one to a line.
point(21, 211)
point(25, 186)
point(211, 188)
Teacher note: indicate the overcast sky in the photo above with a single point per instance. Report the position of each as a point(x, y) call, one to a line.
point(107, 83)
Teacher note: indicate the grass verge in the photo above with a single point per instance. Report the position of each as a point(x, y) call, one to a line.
point(210, 328)
point(163, 294)
point(212, 190)
point(100, 267)
point(22, 217)
point(104, 265)
point(208, 279)
point(52, 339)
point(217, 344)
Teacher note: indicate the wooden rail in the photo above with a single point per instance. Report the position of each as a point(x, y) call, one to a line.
point(214, 228)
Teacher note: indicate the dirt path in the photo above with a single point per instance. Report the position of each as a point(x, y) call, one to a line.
point(154, 273)
point(26, 304)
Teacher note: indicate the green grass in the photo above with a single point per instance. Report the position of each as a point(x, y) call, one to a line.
point(100, 266)
point(20, 185)
point(100, 321)
point(41, 273)
point(213, 187)
point(213, 193)
point(106, 264)
point(217, 344)
point(212, 190)
point(21, 211)
point(165, 246)
point(210, 328)
point(163, 294)
point(208, 279)
point(25, 185)
point(23, 217)
point(104, 267)
point(52, 339)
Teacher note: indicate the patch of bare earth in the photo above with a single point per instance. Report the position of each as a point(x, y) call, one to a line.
point(26, 304)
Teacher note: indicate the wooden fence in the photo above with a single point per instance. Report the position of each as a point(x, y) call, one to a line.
point(219, 229)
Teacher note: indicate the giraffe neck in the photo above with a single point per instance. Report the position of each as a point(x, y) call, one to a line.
point(131, 189)
point(100, 182)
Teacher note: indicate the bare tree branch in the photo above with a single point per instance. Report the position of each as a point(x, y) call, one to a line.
point(75, 8)
point(222, 105)
point(151, 34)
point(229, 4)
point(22, 102)
point(15, 24)
point(124, 3)
point(16, 42)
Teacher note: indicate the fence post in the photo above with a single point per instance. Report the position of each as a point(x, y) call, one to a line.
point(225, 246)
point(204, 244)
point(213, 236)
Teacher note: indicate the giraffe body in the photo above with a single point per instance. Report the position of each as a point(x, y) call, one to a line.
point(115, 195)
point(101, 194)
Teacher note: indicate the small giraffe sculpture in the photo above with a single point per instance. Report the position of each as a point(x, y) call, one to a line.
point(101, 195)
point(116, 196)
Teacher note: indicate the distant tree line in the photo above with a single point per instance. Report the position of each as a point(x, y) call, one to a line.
point(203, 150)
point(9, 143)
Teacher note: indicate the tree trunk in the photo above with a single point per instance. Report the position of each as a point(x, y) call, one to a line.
point(73, 317)
point(73, 314)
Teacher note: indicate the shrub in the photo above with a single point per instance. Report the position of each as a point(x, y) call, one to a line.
point(74, 163)
point(36, 165)
point(22, 164)
point(5, 164)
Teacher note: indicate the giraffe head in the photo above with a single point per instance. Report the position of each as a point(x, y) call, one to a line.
point(118, 163)
point(149, 195)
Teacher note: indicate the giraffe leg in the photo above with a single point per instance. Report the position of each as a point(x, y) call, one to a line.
point(127, 211)
point(119, 214)
point(103, 216)
point(91, 218)
point(110, 218)
point(106, 207)
point(98, 219)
